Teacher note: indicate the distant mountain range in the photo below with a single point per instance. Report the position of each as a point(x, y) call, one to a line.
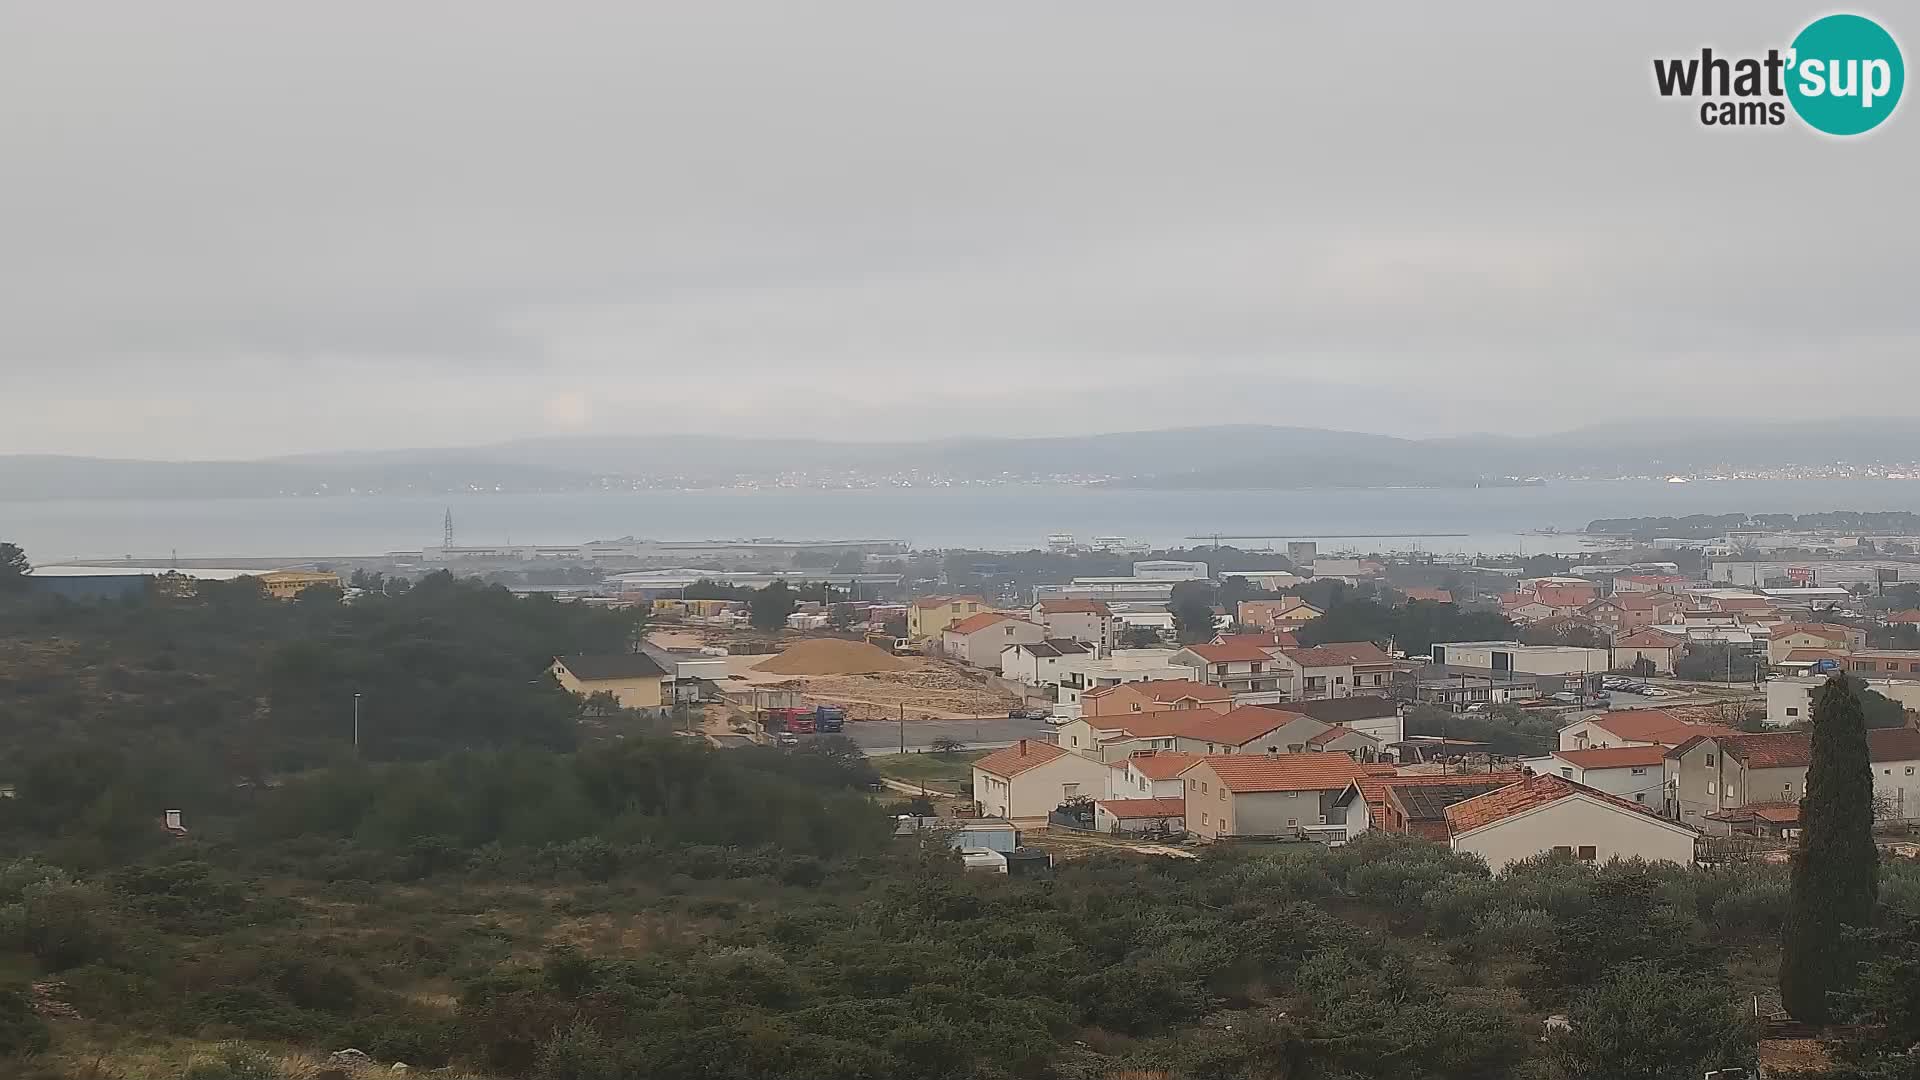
point(1237, 457)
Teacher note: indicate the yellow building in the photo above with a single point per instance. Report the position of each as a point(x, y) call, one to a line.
point(633, 679)
point(287, 584)
point(930, 615)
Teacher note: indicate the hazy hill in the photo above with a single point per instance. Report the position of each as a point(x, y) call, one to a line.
point(1242, 456)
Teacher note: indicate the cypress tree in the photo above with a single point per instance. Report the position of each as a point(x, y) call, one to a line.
point(1835, 870)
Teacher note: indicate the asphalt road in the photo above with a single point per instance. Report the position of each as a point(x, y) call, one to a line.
point(883, 736)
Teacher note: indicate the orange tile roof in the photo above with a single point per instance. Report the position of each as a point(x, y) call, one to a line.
point(1013, 760)
point(1893, 744)
point(1339, 654)
point(1135, 809)
point(1247, 773)
point(1438, 596)
point(1237, 727)
point(1234, 652)
point(1374, 787)
point(1613, 757)
point(1165, 690)
point(1911, 615)
point(1827, 631)
point(1069, 607)
point(1655, 726)
point(1538, 790)
point(1329, 735)
point(1159, 764)
point(1771, 750)
point(975, 623)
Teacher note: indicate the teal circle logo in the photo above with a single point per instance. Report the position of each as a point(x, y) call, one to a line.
point(1845, 74)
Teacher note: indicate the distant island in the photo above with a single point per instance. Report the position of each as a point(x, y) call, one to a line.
point(1226, 457)
point(1704, 526)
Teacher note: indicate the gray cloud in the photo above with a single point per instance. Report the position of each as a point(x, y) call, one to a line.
point(233, 230)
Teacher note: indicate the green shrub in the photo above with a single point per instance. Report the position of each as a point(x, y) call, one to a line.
point(21, 1031)
point(62, 925)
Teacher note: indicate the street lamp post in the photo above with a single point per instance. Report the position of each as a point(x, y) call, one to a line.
point(356, 724)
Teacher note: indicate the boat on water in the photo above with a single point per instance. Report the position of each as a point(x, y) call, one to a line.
point(1678, 480)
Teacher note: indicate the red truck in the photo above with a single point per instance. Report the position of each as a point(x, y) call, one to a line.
point(795, 721)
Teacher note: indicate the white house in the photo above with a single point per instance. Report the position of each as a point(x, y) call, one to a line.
point(1149, 774)
point(1040, 663)
point(1028, 779)
point(1338, 669)
point(1371, 715)
point(1549, 813)
point(1526, 659)
point(1090, 622)
point(1635, 773)
point(1250, 673)
point(1633, 727)
point(1140, 815)
point(1656, 647)
point(978, 639)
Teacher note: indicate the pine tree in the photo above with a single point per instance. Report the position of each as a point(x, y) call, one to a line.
point(1835, 870)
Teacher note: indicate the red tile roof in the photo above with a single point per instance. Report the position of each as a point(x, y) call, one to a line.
point(1438, 596)
point(1248, 773)
point(1329, 735)
point(1771, 750)
point(1069, 607)
point(1235, 652)
point(1160, 764)
point(1827, 631)
point(1911, 615)
point(974, 623)
point(1776, 813)
point(1013, 760)
point(1240, 726)
point(1339, 654)
point(1165, 690)
point(1893, 744)
point(1613, 757)
point(1654, 726)
point(1374, 787)
point(1135, 809)
point(1534, 791)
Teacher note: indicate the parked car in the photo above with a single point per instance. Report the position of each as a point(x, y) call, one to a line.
point(1039, 712)
point(788, 738)
point(1059, 721)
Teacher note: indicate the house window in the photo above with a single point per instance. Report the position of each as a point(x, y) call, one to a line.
point(1223, 794)
point(1638, 770)
point(1070, 790)
point(1568, 773)
point(1640, 796)
point(1562, 849)
point(1339, 680)
point(1191, 784)
point(1709, 761)
point(1712, 789)
point(1587, 853)
point(1909, 770)
point(1203, 817)
point(1793, 712)
point(1204, 790)
point(1293, 823)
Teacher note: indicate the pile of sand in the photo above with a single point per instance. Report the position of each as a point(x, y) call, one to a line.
point(831, 656)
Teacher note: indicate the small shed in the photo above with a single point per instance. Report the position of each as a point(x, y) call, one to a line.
point(1028, 862)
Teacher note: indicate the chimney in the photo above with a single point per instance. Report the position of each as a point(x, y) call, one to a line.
point(1023, 748)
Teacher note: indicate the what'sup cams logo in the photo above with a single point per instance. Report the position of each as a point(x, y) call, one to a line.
point(1842, 75)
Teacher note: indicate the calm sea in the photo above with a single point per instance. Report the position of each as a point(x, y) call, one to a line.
point(1491, 519)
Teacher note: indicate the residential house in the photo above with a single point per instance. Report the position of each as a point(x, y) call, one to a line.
point(1708, 775)
point(1636, 773)
point(1656, 647)
point(1083, 674)
point(1149, 774)
point(978, 640)
point(1153, 695)
point(1246, 730)
point(1288, 612)
point(1909, 617)
point(1339, 669)
point(1264, 639)
point(1090, 622)
point(1029, 779)
point(1269, 795)
point(1357, 745)
point(1568, 593)
point(634, 679)
point(1633, 727)
point(1775, 821)
point(927, 616)
point(1141, 816)
point(1414, 804)
point(1808, 662)
point(1885, 663)
point(1549, 813)
point(1040, 663)
point(1246, 670)
point(1371, 715)
point(1831, 637)
point(1527, 611)
point(1431, 596)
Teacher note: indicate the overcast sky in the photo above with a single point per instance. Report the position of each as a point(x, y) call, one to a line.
point(240, 229)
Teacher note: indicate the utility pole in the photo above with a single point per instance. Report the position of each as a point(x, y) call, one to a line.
point(356, 724)
point(903, 728)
